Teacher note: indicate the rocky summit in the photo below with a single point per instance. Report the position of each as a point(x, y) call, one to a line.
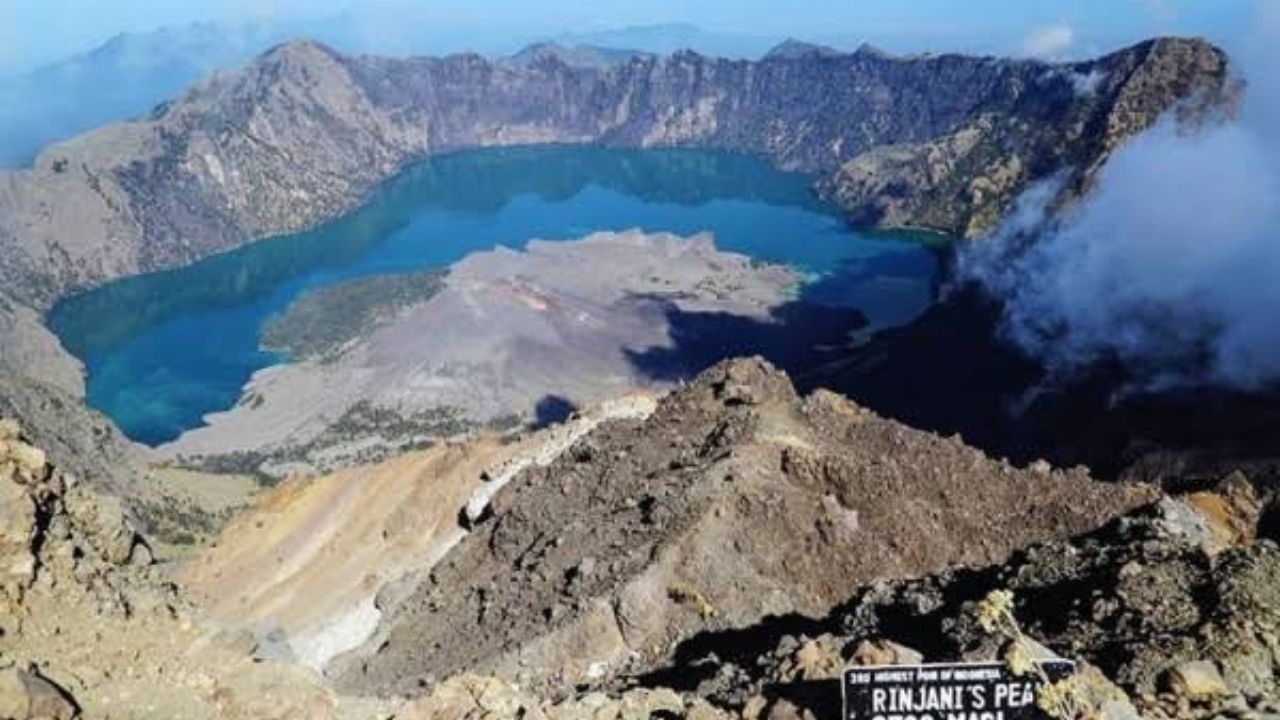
point(734, 500)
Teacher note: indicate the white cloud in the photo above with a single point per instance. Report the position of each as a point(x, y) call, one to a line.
point(1171, 265)
point(1049, 43)
point(1086, 84)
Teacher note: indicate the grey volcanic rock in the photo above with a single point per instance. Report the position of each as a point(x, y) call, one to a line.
point(590, 56)
point(1070, 118)
point(1139, 599)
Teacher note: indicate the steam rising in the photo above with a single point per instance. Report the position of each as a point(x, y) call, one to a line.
point(1171, 267)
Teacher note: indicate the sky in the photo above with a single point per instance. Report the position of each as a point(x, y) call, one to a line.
point(34, 32)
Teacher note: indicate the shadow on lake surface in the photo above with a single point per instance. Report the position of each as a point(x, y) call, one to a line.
point(796, 337)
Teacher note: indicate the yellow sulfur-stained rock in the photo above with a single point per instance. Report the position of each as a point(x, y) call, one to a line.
point(1230, 511)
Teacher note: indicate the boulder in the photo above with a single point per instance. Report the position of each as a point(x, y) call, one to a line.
point(819, 659)
point(25, 694)
point(643, 703)
point(17, 532)
point(9, 430)
point(29, 463)
point(885, 652)
point(103, 521)
point(1196, 680)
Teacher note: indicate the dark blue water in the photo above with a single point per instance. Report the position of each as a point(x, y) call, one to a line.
point(162, 350)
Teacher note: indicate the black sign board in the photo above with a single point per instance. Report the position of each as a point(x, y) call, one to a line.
point(978, 691)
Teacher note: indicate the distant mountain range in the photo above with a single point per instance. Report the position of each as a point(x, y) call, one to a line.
point(119, 80)
point(127, 76)
point(667, 38)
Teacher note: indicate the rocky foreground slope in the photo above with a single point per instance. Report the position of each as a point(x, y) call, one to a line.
point(722, 554)
point(735, 499)
point(90, 627)
point(1172, 611)
point(303, 568)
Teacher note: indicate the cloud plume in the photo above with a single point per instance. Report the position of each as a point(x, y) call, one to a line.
point(1049, 43)
point(1171, 267)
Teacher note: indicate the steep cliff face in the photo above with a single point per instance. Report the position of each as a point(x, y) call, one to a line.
point(302, 134)
point(1064, 118)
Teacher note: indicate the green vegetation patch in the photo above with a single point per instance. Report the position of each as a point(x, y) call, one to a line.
point(324, 320)
point(364, 419)
point(395, 433)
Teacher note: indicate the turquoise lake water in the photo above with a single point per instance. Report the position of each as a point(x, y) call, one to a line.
point(163, 350)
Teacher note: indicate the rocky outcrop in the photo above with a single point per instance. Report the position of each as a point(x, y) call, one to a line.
point(53, 519)
point(56, 537)
point(1158, 621)
point(961, 180)
point(90, 627)
point(736, 499)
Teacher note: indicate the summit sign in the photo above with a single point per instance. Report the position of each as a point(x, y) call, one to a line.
point(986, 691)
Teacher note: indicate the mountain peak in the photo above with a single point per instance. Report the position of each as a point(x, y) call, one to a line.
point(300, 48)
point(792, 49)
point(580, 55)
point(867, 48)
